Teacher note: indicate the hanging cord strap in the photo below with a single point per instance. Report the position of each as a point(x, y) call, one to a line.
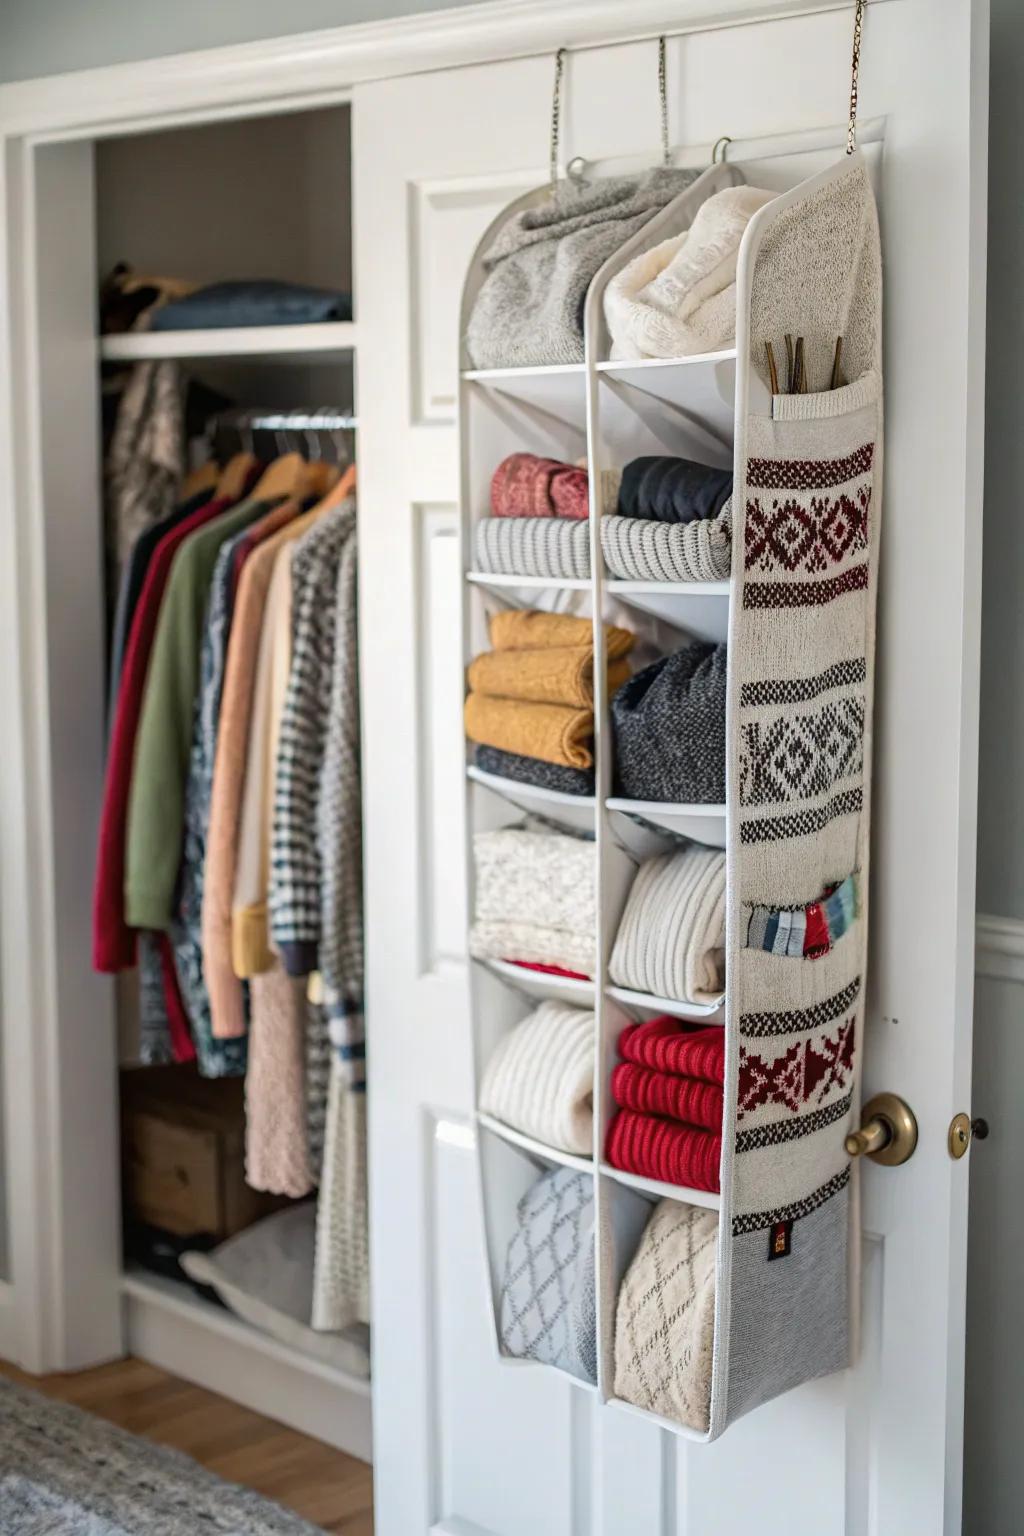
point(666, 158)
point(556, 115)
point(858, 28)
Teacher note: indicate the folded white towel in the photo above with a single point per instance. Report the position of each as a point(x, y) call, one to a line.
point(540, 1079)
point(671, 940)
point(679, 298)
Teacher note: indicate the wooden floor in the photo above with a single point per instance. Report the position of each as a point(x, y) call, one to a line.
point(331, 1490)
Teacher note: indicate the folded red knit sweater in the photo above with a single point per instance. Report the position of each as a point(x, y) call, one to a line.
point(666, 1044)
point(665, 1150)
point(524, 485)
point(662, 1093)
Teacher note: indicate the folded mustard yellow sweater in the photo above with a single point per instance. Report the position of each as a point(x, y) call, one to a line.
point(531, 629)
point(556, 733)
point(558, 674)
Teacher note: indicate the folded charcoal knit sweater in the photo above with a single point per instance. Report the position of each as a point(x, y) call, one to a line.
point(673, 490)
point(529, 310)
point(535, 898)
point(531, 770)
point(540, 1079)
point(669, 723)
point(671, 937)
point(549, 1295)
point(665, 1316)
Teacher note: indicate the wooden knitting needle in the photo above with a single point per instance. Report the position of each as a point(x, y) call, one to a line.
point(789, 364)
point(772, 370)
point(837, 376)
point(798, 367)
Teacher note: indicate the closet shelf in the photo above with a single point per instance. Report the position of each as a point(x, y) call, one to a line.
point(699, 607)
point(705, 1013)
point(703, 386)
point(571, 810)
point(702, 823)
point(528, 583)
point(660, 1191)
point(538, 1149)
point(288, 343)
point(539, 984)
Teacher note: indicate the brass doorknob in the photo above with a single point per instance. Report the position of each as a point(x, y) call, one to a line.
point(888, 1132)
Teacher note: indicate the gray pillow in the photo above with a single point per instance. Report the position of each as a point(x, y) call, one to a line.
point(265, 1275)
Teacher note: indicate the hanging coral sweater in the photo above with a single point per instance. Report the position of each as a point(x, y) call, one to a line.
point(113, 943)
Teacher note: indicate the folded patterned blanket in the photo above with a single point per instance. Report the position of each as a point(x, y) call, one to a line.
point(669, 723)
point(532, 770)
point(555, 674)
point(665, 1316)
point(555, 733)
point(549, 1300)
point(668, 1045)
point(535, 898)
point(673, 490)
point(656, 1148)
point(528, 629)
point(524, 485)
point(533, 546)
point(660, 1093)
point(540, 1079)
point(671, 938)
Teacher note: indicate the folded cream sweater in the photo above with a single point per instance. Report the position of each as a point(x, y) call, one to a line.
point(671, 939)
point(540, 1079)
point(535, 899)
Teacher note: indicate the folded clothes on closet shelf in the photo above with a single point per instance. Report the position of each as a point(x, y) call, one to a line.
point(264, 302)
point(666, 1150)
point(549, 1297)
point(671, 938)
point(668, 489)
point(540, 1079)
point(554, 733)
point(517, 629)
point(533, 770)
point(529, 310)
point(679, 297)
point(535, 898)
point(669, 725)
point(641, 549)
point(525, 485)
point(665, 1316)
point(533, 546)
point(557, 674)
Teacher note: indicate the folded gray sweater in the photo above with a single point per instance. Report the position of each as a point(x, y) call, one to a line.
point(529, 310)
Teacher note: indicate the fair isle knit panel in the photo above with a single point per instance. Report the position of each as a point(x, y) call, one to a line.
point(295, 865)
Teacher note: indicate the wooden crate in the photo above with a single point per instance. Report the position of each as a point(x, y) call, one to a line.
point(183, 1153)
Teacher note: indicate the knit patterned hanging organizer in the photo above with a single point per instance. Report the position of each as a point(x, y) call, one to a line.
point(806, 505)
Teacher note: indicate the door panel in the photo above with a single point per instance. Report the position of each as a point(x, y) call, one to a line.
point(464, 1443)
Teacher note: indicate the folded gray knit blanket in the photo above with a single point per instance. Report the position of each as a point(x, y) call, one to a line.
point(529, 310)
point(635, 548)
point(548, 1300)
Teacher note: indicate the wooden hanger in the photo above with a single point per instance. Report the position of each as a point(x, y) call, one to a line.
point(286, 477)
point(321, 477)
point(339, 492)
point(202, 479)
point(235, 476)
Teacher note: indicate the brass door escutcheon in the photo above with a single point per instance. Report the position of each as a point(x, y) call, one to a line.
point(888, 1132)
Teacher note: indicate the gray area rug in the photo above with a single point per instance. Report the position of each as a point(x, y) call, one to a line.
point(66, 1473)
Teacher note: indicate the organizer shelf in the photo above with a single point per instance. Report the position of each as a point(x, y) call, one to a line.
point(776, 1167)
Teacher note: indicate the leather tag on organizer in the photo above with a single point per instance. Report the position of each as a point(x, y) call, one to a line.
point(780, 1239)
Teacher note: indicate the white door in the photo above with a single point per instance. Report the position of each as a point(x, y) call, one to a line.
point(465, 1445)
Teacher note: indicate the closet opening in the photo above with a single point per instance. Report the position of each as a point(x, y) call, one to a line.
point(199, 377)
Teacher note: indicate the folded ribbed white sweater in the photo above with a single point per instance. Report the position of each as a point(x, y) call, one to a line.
point(671, 940)
point(540, 1079)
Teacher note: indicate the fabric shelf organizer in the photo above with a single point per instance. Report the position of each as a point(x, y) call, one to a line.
point(759, 1252)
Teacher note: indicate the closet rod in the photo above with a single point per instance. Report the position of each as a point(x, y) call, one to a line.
point(284, 421)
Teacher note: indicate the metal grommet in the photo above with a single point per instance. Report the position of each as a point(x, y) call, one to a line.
point(720, 144)
point(576, 170)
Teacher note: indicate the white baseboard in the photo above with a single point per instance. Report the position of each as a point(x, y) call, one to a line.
point(181, 1333)
point(999, 947)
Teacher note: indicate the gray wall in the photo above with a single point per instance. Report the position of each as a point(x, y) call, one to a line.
point(47, 37)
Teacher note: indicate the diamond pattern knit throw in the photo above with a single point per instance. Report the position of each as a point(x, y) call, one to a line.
point(548, 1302)
point(665, 1318)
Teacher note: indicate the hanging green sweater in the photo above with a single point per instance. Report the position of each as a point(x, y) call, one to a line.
point(156, 805)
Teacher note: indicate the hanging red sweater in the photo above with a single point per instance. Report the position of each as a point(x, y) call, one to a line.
point(113, 942)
